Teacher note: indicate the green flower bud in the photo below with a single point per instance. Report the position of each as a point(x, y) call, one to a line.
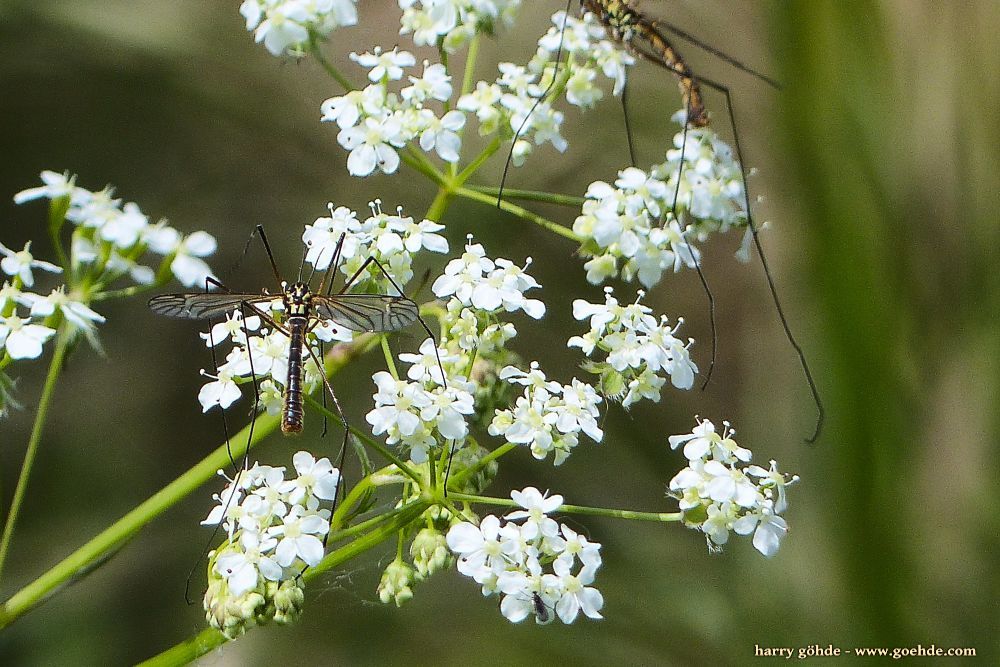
point(430, 553)
point(395, 583)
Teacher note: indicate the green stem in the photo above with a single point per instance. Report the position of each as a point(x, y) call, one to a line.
point(55, 367)
point(532, 195)
point(659, 517)
point(102, 546)
point(520, 212)
point(122, 293)
point(328, 66)
point(418, 161)
point(371, 442)
point(439, 205)
point(476, 163)
point(206, 640)
point(460, 477)
point(389, 361)
point(468, 77)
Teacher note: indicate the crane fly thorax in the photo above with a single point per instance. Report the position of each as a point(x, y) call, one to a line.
point(297, 298)
point(618, 15)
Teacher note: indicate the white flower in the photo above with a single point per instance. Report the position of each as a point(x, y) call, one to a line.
point(242, 568)
point(23, 340)
point(234, 328)
point(388, 64)
point(435, 84)
point(536, 508)
point(22, 262)
point(222, 392)
point(372, 145)
point(56, 185)
point(124, 229)
point(441, 135)
point(394, 402)
point(316, 478)
point(75, 312)
point(187, 266)
point(297, 537)
point(577, 595)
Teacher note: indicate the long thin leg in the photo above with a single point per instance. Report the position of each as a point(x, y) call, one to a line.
point(437, 354)
point(821, 413)
point(331, 270)
point(687, 242)
point(628, 126)
point(541, 98)
point(270, 255)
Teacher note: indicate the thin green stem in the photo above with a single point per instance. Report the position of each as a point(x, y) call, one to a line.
point(417, 160)
point(468, 76)
point(477, 162)
point(520, 212)
point(364, 526)
point(439, 205)
point(371, 442)
point(531, 195)
point(206, 640)
point(460, 477)
point(104, 545)
point(389, 361)
point(659, 517)
point(122, 293)
point(55, 367)
point(334, 73)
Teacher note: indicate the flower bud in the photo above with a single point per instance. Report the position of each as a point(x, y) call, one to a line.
point(395, 583)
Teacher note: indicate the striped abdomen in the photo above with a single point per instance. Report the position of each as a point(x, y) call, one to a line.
point(291, 414)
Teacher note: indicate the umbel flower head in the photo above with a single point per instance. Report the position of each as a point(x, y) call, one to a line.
point(721, 492)
point(508, 556)
point(274, 528)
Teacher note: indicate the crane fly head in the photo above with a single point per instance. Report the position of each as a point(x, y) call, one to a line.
point(297, 298)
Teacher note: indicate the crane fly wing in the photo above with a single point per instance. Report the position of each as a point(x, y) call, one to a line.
point(202, 305)
point(366, 312)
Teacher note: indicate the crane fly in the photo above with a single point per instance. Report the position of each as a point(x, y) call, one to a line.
point(304, 311)
point(644, 36)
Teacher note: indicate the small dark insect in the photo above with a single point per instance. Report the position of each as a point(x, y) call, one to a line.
point(304, 310)
point(542, 611)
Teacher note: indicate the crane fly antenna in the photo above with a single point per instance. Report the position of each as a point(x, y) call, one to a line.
point(539, 100)
point(331, 270)
point(270, 255)
point(820, 411)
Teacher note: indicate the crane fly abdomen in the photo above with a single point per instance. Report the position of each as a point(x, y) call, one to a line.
point(292, 413)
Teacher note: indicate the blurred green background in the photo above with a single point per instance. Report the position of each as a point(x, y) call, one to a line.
point(878, 164)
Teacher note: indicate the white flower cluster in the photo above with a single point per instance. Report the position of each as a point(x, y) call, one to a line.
point(477, 289)
point(274, 529)
point(376, 122)
point(425, 409)
point(639, 349)
point(452, 23)
point(718, 492)
point(548, 417)
point(410, 414)
point(508, 555)
point(285, 26)
point(111, 237)
point(513, 103)
point(391, 239)
point(628, 227)
point(23, 337)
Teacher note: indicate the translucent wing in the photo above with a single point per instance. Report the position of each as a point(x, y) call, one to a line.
point(366, 312)
point(202, 305)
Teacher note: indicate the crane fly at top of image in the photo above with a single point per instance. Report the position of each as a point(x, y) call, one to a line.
point(644, 37)
point(304, 311)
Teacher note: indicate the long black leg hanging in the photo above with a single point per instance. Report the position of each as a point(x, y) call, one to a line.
point(237, 471)
point(821, 413)
point(690, 249)
point(538, 101)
